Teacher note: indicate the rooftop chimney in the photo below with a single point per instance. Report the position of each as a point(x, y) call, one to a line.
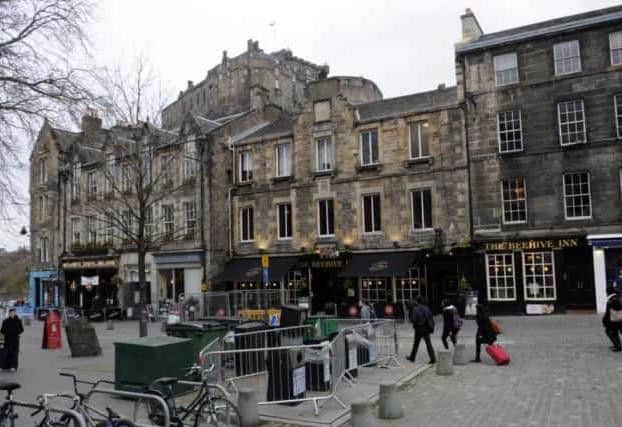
point(91, 123)
point(471, 29)
point(441, 86)
point(190, 84)
point(225, 59)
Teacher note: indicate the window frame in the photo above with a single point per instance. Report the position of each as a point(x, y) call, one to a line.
point(166, 222)
point(412, 210)
point(75, 181)
point(552, 274)
point(496, 71)
point(190, 217)
point(43, 171)
point(504, 277)
point(420, 124)
point(110, 174)
point(329, 151)
point(43, 250)
point(91, 180)
point(565, 196)
point(503, 211)
point(250, 225)
point(278, 160)
point(520, 129)
point(618, 114)
point(76, 231)
point(611, 49)
point(377, 293)
point(556, 59)
point(373, 206)
point(289, 234)
point(249, 172)
point(91, 230)
point(371, 151)
point(559, 123)
point(190, 160)
point(319, 218)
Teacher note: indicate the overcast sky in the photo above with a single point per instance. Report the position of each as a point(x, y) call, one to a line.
point(404, 46)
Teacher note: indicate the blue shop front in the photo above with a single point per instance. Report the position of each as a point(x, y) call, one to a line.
point(45, 290)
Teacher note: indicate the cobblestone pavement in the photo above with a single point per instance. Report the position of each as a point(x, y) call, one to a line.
point(562, 374)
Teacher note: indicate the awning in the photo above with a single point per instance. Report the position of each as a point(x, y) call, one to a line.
point(605, 240)
point(379, 264)
point(249, 269)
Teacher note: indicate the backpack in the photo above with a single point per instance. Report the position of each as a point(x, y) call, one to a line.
point(615, 309)
point(457, 321)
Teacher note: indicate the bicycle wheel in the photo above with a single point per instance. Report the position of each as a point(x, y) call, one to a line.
point(217, 412)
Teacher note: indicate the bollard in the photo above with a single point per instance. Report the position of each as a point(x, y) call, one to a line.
point(361, 414)
point(444, 365)
point(247, 406)
point(461, 357)
point(109, 325)
point(390, 407)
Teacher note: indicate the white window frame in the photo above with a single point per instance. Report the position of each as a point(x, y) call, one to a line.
point(126, 179)
point(412, 210)
point(76, 231)
point(503, 276)
point(612, 48)
point(242, 225)
point(552, 274)
point(111, 171)
point(91, 179)
point(373, 205)
point(413, 286)
point(108, 229)
point(559, 122)
point(370, 149)
point(374, 289)
point(43, 250)
point(566, 196)
point(278, 163)
point(149, 222)
point(91, 230)
point(495, 60)
point(168, 222)
point(190, 160)
point(507, 132)
point(288, 231)
point(420, 126)
point(43, 171)
point(515, 201)
point(329, 154)
point(190, 217)
point(572, 43)
point(75, 182)
point(618, 114)
point(319, 218)
point(167, 169)
point(249, 163)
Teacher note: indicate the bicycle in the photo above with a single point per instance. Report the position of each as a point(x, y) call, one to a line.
point(92, 416)
point(206, 408)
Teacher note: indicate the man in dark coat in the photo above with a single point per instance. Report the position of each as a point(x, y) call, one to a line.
point(423, 323)
point(11, 329)
point(613, 327)
point(485, 334)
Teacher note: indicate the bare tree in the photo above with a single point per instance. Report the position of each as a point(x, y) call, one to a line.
point(37, 79)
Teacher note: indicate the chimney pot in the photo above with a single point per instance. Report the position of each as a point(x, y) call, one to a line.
point(441, 86)
point(190, 84)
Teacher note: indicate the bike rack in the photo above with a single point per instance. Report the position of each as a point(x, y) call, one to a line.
point(78, 419)
point(138, 397)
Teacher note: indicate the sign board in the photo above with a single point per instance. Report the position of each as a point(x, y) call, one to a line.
point(299, 381)
point(274, 320)
point(91, 264)
point(89, 280)
point(533, 244)
point(265, 261)
point(24, 311)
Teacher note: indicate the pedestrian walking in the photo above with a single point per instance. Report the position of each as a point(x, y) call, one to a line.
point(612, 319)
point(485, 332)
point(451, 323)
point(423, 324)
point(11, 329)
point(366, 309)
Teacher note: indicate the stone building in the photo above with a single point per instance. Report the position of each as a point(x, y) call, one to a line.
point(543, 128)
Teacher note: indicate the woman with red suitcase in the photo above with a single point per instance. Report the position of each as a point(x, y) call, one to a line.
point(485, 333)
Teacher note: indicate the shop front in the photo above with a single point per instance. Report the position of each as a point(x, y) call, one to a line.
point(178, 275)
point(91, 285)
point(607, 258)
point(535, 276)
point(45, 290)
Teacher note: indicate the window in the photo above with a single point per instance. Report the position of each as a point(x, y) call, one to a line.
point(509, 131)
point(539, 275)
point(571, 116)
point(43, 250)
point(567, 58)
point(284, 220)
point(166, 170)
point(75, 182)
point(108, 228)
point(43, 171)
point(409, 288)
point(191, 219)
point(110, 172)
point(372, 221)
point(91, 229)
point(126, 179)
point(421, 201)
point(91, 179)
point(577, 197)
point(283, 160)
point(246, 166)
point(374, 290)
point(617, 101)
point(326, 218)
point(506, 69)
point(324, 151)
point(369, 147)
point(514, 200)
point(42, 208)
point(419, 140)
point(321, 111)
point(127, 224)
point(146, 167)
point(75, 231)
point(168, 221)
point(247, 224)
point(190, 160)
point(500, 277)
point(615, 46)
point(149, 226)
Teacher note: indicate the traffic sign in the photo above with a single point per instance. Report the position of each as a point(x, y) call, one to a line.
point(265, 261)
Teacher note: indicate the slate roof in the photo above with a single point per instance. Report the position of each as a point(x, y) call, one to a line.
point(544, 29)
point(408, 104)
point(281, 127)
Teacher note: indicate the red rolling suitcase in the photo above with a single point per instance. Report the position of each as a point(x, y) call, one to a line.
point(498, 354)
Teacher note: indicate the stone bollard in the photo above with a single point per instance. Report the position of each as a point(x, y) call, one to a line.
point(247, 406)
point(461, 357)
point(390, 407)
point(109, 325)
point(362, 415)
point(444, 363)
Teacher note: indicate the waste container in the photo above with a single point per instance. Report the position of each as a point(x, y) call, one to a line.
point(317, 366)
point(286, 374)
point(251, 335)
point(323, 326)
point(140, 361)
point(292, 315)
point(201, 334)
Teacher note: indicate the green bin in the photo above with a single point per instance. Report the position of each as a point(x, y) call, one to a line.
point(140, 361)
point(201, 334)
point(327, 326)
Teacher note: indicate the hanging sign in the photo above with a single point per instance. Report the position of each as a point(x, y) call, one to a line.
point(89, 280)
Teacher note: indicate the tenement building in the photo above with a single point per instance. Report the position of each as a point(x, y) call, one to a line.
point(270, 175)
